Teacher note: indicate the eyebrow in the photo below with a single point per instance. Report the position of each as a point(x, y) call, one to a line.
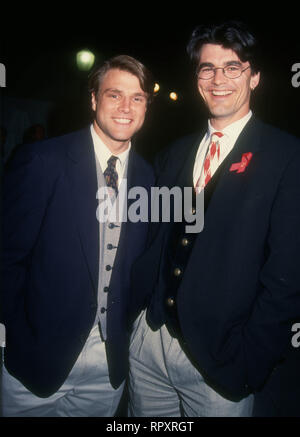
point(115, 90)
point(209, 64)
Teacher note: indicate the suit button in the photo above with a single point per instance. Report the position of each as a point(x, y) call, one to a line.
point(184, 242)
point(177, 271)
point(111, 246)
point(170, 302)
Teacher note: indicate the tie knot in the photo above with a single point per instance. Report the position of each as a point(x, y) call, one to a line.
point(112, 161)
point(218, 134)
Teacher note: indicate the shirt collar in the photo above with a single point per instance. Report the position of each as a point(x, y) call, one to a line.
point(233, 130)
point(103, 153)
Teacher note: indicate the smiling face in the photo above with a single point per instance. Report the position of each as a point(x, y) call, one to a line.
point(228, 100)
point(120, 108)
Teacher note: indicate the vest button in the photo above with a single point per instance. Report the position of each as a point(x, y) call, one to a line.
point(111, 225)
point(105, 289)
point(170, 302)
point(109, 246)
point(177, 271)
point(103, 310)
point(184, 242)
point(108, 268)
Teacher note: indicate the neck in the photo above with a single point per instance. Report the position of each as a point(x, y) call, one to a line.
point(115, 146)
point(219, 123)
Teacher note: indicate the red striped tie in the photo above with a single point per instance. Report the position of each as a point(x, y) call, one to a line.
point(212, 157)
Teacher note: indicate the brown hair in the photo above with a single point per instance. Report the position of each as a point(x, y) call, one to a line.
point(124, 63)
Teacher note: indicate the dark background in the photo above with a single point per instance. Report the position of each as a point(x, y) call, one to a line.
point(39, 45)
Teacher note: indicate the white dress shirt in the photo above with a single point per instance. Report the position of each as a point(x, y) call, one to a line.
point(103, 154)
point(227, 142)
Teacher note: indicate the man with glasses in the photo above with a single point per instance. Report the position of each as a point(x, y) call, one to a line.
point(220, 303)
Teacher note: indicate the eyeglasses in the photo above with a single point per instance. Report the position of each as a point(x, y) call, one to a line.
point(230, 71)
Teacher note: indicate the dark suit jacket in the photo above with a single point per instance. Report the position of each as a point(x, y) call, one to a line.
point(240, 291)
point(51, 262)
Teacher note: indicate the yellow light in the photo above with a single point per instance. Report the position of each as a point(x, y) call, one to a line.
point(85, 60)
point(156, 88)
point(173, 96)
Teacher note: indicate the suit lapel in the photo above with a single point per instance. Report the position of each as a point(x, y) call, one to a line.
point(176, 176)
point(185, 178)
point(82, 176)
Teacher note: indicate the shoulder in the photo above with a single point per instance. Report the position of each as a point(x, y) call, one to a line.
point(139, 165)
point(280, 152)
point(278, 140)
point(181, 144)
point(48, 152)
point(59, 146)
point(177, 151)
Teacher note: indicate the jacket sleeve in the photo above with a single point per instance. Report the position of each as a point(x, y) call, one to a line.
point(268, 332)
point(24, 206)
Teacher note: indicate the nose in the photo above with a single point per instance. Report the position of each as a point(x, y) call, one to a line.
point(125, 105)
point(219, 76)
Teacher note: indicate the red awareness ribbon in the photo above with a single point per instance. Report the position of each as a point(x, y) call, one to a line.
point(240, 167)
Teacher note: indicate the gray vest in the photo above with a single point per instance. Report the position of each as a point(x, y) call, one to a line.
point(109, 233)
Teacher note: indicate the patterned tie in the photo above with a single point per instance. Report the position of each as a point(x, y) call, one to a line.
point(111, 175)
point(211, 162)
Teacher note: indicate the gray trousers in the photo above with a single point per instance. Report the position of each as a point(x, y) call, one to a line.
point(164, 383)
point(86, 392)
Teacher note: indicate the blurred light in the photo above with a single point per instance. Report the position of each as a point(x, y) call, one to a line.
point(85, 60)
point(156, 88)
point(173, 96)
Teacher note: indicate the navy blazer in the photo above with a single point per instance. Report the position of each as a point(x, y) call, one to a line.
point(51, 262)
point(240, 291)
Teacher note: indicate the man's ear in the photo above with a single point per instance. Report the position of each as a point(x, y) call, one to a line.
point(254, 81)
point(94, 102)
